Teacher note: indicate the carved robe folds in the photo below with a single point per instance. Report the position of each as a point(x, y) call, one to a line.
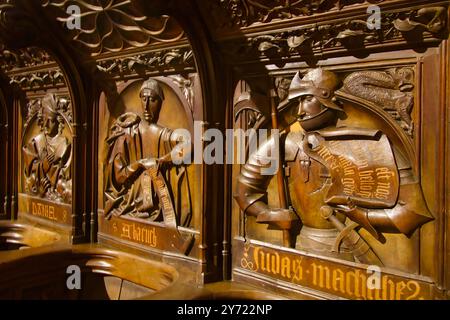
point(129, 187)
point(50, 179)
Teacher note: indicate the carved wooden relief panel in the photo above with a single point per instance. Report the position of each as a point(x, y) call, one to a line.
point(47, 149)
point(349, 186)
point(147, 200)
point(45, 189)
point(44, 177)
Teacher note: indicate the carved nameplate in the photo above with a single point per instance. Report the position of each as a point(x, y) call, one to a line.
point(41, 208)
point(347, 280)
point(148, 234)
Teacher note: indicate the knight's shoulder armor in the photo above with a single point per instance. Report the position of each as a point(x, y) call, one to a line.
point(293, 145)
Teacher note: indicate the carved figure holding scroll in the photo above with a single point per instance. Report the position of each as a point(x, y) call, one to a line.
point(137, 151)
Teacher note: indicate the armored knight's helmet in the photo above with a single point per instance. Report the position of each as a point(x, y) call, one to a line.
point(320, 83)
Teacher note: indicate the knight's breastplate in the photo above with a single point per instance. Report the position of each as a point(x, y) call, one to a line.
point(309, 182)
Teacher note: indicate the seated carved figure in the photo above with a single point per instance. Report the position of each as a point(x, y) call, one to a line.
point(47, 156)
point(137, 150)
point(335, 173)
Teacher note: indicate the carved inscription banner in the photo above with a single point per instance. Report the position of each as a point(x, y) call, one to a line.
point(41, 208)
point(148, 234)
point(345, 280)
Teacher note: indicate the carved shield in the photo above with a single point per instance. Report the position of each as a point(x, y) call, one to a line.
point(362, 169)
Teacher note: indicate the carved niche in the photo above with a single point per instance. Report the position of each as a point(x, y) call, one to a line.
point(143, 187)
point(47, 149)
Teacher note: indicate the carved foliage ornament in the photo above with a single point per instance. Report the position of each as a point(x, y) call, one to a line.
point(165, 60)
point(37, 80)
point(11, 60)
point(247, 12)
point(413, 25)
point(114, 25)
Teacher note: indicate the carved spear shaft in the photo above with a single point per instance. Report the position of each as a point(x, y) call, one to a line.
point(280, 176)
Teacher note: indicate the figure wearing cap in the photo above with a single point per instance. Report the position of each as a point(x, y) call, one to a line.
point(47, 156)
point(335, 173)
point(135, 146)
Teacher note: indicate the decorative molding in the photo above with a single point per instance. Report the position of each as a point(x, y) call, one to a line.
point(15, 60)
point(47, 79)
point(112, 26)
point(247, 12)
point(164, 61)
point(312, 41)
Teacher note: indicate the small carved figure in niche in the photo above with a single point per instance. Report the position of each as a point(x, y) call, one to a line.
point(137, 152)
point(334, 173)
point(47, 156)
